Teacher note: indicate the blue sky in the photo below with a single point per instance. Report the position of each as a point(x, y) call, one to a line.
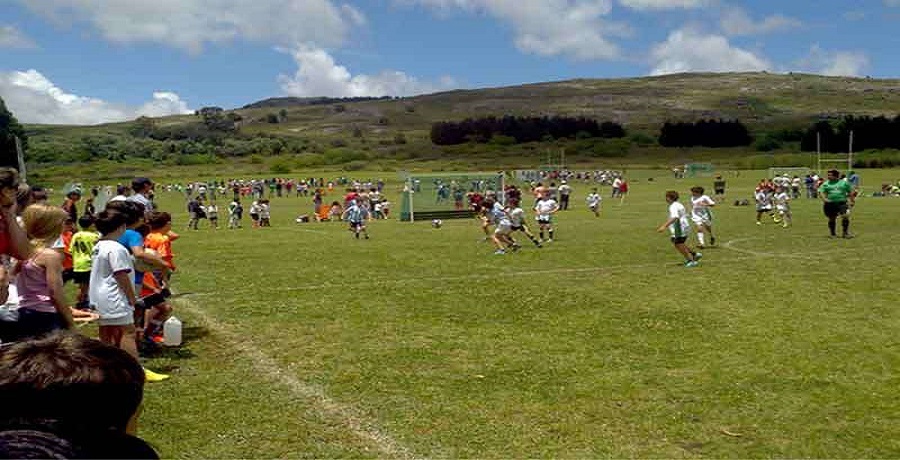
point(94, 61)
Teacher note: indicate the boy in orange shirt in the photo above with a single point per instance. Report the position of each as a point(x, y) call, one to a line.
point(159, 240)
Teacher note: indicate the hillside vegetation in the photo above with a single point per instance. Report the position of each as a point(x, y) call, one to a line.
point(390, 132)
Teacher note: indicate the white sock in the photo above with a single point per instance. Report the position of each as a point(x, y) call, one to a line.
point(701, 238)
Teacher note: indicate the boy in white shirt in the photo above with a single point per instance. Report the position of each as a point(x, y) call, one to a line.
point(545, 208)
point(763, 204)
point(702, 216)
point(593, 202)
point(517, 219)
point(783, 206)
point(680, 229)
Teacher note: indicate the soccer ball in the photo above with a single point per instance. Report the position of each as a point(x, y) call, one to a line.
point(436, 223)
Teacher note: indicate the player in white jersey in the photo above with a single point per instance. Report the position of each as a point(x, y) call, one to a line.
point(763, 203)
point(702, 216)
point(503, 227)
point(593, 202)
point(545, 208)
point(680, 229)
point(517, 218)
point(783, 206)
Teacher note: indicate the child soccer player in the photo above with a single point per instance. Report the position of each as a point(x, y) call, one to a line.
point(517, 220)
point(783, 206)
point(112, 287)
point(82, 246)
point(212, 212)
point(763, 203)
point(680, 228)
point(356, 215)
point(264, 213)
point(545, 208)
point(235, 212)
point(702, 216)
point(593, 202)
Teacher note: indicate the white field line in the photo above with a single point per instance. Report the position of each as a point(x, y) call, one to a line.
point(321, 402)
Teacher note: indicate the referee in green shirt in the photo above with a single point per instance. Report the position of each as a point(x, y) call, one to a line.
point(836, 194)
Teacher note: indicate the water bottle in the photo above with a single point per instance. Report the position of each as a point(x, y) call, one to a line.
point(172, 332)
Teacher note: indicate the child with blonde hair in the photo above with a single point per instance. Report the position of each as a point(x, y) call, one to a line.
point(42, 303)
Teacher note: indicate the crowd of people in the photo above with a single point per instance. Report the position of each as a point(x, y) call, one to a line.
point(120, 258)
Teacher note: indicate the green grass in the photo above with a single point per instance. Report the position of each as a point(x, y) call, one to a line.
point(303, 342)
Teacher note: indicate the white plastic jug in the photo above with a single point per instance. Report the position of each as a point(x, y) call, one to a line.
point(172, 332)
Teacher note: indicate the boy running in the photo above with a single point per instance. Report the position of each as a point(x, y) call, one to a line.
point(356, 215)
point(593, 202)
point(679, 228)
point(517, 220)
point(702, 216)
point(783, 206)
point(763, 203)
point(545, 208)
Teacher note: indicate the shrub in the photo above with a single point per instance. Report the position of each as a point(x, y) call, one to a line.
point(280, 166)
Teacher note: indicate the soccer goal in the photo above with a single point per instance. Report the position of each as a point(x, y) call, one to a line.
point(445, 195)
point(699, 169)
point(791, 172)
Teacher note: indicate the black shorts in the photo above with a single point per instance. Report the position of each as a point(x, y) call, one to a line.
point(679, 239)
point(835, 209)
point(720, 191)
point(517, 228)
point(355, 225)
point(254, 216)
point(68, 275)
point(81, 277)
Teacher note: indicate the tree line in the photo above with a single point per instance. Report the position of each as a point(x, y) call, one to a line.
point(869, 133)
point(521, 129)
point(705, 133)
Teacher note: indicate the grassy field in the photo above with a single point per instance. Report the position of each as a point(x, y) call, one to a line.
point(303, 342)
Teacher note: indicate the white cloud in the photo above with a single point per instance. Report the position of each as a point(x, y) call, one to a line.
point(834, 63)
point(319, 75)
point(573, 28)
point(11, 37)
point(191, 24)
point(646, 5)
point(689, 51)
point(35, 99)
point(735, 21)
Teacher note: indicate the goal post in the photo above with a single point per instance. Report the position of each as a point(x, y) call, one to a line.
point(445, 195)
point(791, 172)
point(699, 169)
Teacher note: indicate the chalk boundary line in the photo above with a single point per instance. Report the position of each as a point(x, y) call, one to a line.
point(325, 406)
point(328, 408)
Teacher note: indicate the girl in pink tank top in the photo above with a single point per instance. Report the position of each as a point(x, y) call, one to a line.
point(42, 303)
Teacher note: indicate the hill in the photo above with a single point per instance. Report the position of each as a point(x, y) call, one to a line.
point(327, 131)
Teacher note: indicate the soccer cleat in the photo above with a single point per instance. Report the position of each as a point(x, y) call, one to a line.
point(698, 255)
point(758, 223)
point(550, 240)
point(515, 247)
point(785, 225)
point(712, 241)
point(848, 236)
point(499, 252)
point(691, 263)
point(152, 377)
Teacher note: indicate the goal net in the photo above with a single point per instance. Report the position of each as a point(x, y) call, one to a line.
point(699, 169)
point(446, 195)
point(791, 172)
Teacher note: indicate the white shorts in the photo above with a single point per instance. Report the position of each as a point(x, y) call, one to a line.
point(701, 220)
point(503, 229)
point(783, 208)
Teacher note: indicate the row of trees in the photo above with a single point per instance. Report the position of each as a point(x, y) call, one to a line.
point(868, 133)
point(521, 129)
point(706, 133)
